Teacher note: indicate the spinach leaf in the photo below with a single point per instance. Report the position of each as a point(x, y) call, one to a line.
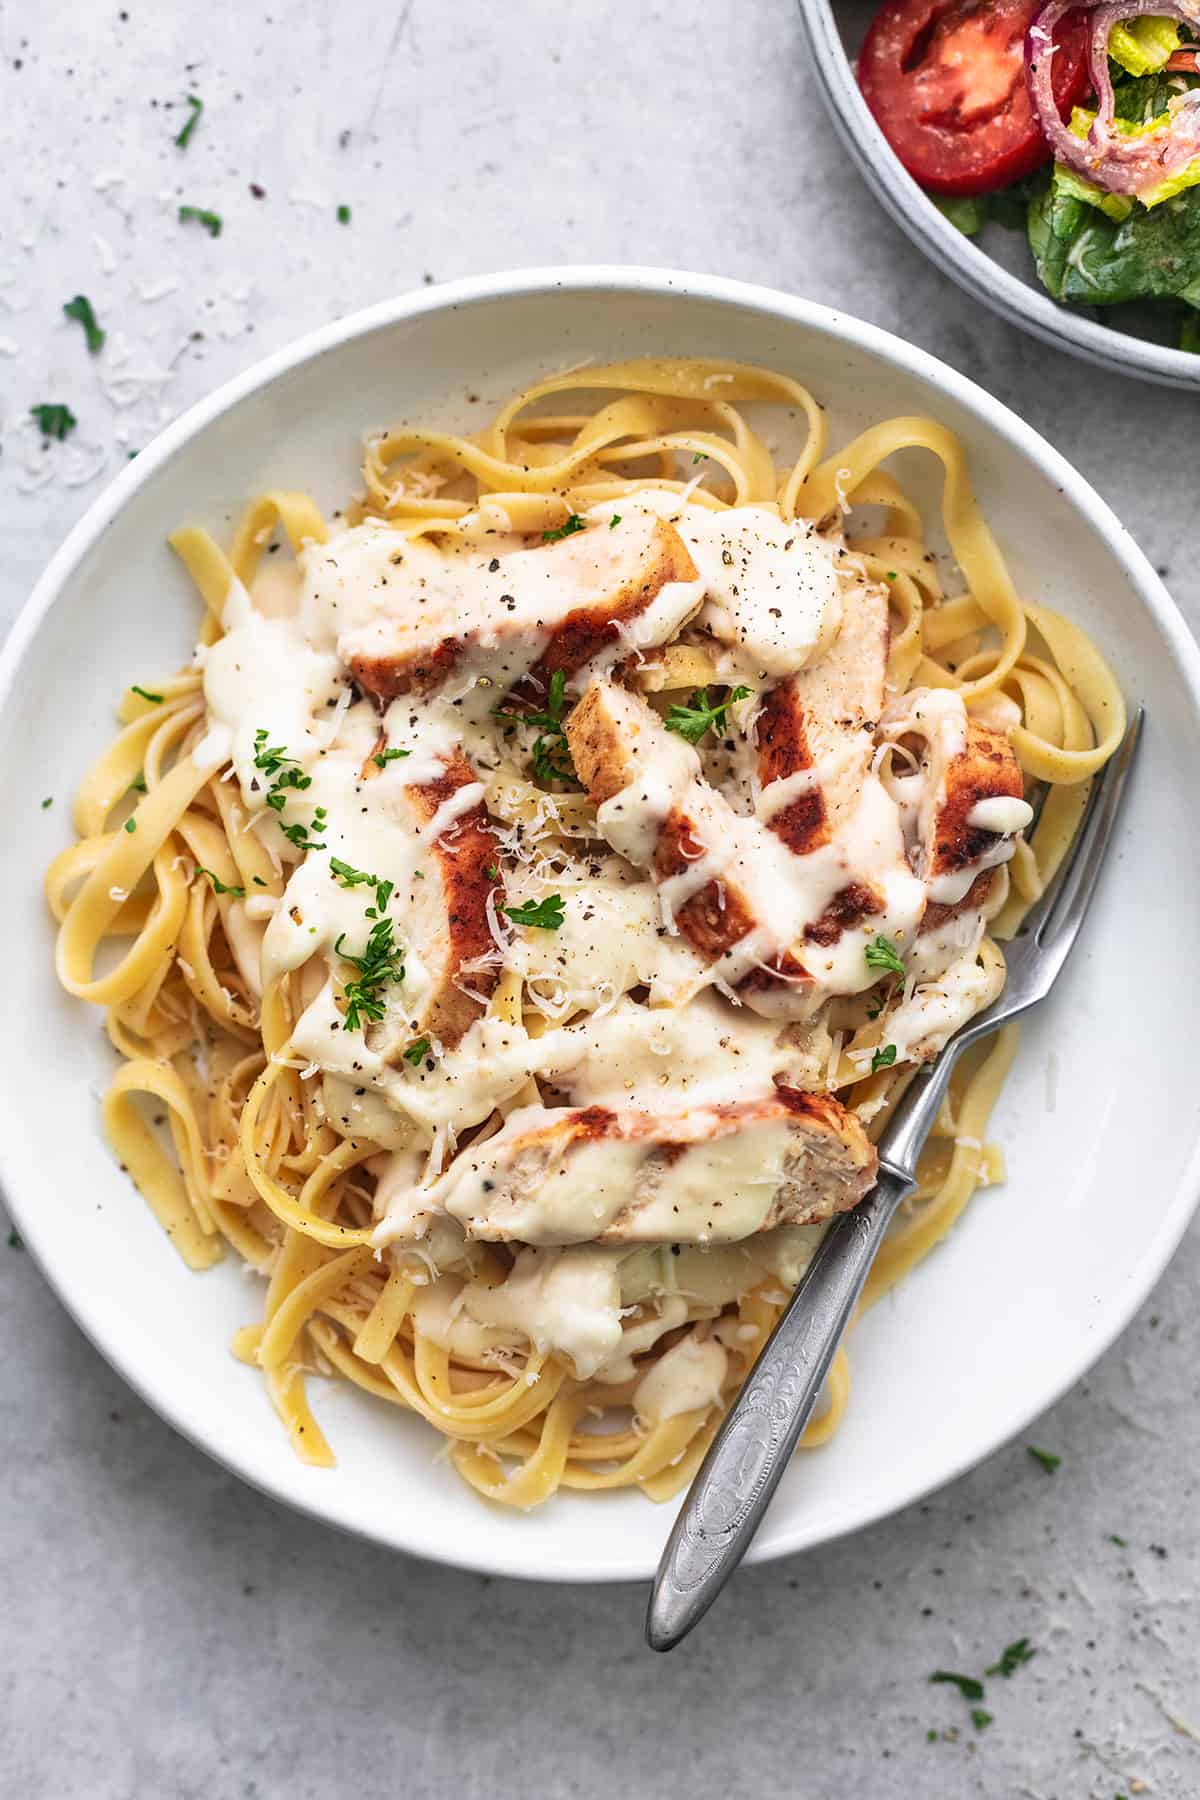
point(1084, 257)
point(966, 212)
point(1143, 97)
point(1006, 206)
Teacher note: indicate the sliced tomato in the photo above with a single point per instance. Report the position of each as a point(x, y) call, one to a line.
point(945, 80)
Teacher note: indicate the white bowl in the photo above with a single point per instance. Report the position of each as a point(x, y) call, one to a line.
point(1100, 1119)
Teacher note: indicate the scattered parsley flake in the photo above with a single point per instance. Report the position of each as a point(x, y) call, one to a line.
point(201, 215)
point(14, 1241)
point(492, 872)
point(381, 963)
point(547, 914)
point(343, 215)
point(145, 694)
point(968, 1687)
point(301, 835)
point(138, 784)
point(48, 801)
point(218, 886)
point(54, 421)
point(382, 758)
point(350, 877)
point(1046, 1458)
point(891, 574)
point(80, 309)
point(614, 521)
point(931, 1736)
point(1121, 1543)
point(259, 882)
point(131, 825)
point(551, 752)
point(696, 720)
point(1011, 1658)
point(574, 523)
point(883, 1059)
point(699, 457)
point(881, 953)
point(197, 106)
point(980, 1719)
point(416, 1053)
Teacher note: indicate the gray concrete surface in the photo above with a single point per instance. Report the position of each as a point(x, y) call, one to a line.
point(165, 1632)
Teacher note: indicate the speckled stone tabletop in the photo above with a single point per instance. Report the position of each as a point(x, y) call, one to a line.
point(163, 1630)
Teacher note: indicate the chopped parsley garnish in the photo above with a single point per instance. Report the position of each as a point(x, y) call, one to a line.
point(131, 824)
point(200, 215)
point(145, 694)
point(547, 915)
point(697, 720)
point(343, 215)
point(273, 760)
point(614, 521)
point(259, 882)
point(1011, 1658)
point(54, 421)
point(883, 1059)
point(699, 457)
point(891, 574)
point(300, 835)
point(48, 801)
point(197, 106)
point(1046, 1458)
point(980, 1719)
point(551, 753)
point(381, 963)
point(382, 758)
point(138, 784)
point(14, 1241)
point(416, 1053)
point(968, 1687)
point(285, 774)
point(883, 954)
point(574, 523)
point(931, 1736)
point(218, 886)
point(350, 877)
point(1121, 1543)
point(492, 872)
point(80, 309)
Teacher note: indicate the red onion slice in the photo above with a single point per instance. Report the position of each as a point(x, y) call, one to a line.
point(1122, 165)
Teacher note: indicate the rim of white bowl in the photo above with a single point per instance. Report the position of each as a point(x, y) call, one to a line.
point(966, 263)
point(634, 279)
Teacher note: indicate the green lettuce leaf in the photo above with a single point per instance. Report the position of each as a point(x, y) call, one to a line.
point(1143, 45)
point(1085, 257)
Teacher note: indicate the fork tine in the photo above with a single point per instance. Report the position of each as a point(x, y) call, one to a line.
point(1069, 898)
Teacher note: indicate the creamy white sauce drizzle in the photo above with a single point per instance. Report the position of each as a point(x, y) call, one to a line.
point(686, 1378)
point(770, 600)
point(1000, 812)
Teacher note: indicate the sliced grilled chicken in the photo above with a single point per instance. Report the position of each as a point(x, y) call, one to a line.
point(815, 736)
point(714, 868)
point(714, 1174)
point(815, 732)
point(962, 804)
point(603, 592)
point(448, 916)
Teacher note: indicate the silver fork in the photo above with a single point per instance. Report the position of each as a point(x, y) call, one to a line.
point(742, 1469)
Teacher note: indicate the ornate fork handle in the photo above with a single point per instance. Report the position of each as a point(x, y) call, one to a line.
point(750, 1452)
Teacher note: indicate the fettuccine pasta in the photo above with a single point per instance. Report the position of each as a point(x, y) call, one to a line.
point(514, 927)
